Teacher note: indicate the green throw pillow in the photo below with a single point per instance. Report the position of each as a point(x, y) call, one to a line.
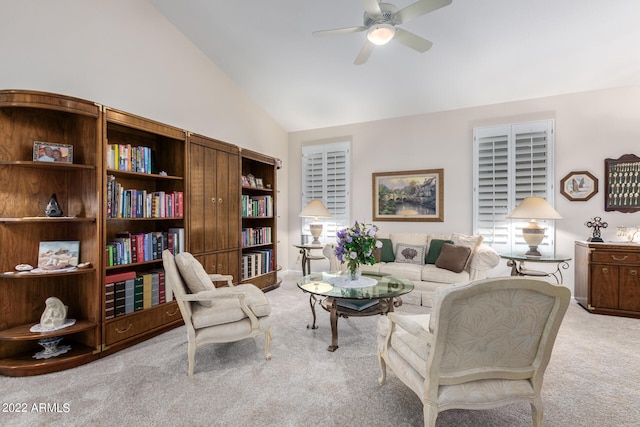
point(434, 250)
point(387, 251)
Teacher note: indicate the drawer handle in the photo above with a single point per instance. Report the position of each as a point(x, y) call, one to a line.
point(633, 272)
point(213, 200)
point(615, 258)
point(219, 267)
point(124, 330)
point(176, 311)
point(213, 267)
point(605, 270)
point(220, 200)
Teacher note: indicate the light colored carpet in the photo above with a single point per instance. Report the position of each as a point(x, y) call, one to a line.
point(593, 379)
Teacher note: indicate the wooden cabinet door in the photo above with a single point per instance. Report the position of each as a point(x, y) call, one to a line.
point(604, 286)
point(197, 198)
point(221, 263)
point(227, 185)
point(630, 288)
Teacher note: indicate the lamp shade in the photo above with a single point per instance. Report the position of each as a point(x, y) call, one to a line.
point(534, 207)
point(315, 209)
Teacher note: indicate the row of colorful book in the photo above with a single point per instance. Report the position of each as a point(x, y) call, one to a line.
point(255, 236)
point(131, 248)
point(257, 206)
point(134, 203)
point(129, 158)
point(255, 263)
point(129, 291)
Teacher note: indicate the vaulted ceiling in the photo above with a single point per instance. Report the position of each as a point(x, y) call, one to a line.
point(484, 52)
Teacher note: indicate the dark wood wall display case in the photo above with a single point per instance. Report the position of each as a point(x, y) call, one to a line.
point(622, 184)
point(132, 188)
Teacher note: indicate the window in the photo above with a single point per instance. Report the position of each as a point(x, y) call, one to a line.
point(325, 176)
point(511, 162)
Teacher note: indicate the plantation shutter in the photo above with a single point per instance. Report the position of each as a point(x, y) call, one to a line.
point(325, 176)
point(511, 162)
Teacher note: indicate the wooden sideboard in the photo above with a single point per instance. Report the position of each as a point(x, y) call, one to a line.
point(607, 278)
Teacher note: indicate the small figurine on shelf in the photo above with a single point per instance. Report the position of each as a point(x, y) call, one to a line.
point(596, 223)
point(53, 208)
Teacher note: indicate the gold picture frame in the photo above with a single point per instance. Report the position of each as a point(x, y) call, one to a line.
point(416, 195)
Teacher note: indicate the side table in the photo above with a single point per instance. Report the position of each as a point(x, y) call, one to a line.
point(307, 256)
point(518, 267)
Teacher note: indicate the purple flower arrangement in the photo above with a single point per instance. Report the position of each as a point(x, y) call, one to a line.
point(356, 245)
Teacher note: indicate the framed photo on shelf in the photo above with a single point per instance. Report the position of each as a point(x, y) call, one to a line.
point(409, 196)
point(252, 181)
point(245, 181)
point(56, 255)
point(259, 183)
point(52, 152)
point(579, 186)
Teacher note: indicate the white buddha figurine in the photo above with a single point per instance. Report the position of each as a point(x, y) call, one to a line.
point(54, 315)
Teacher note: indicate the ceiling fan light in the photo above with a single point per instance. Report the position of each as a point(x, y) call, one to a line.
point(381, 33)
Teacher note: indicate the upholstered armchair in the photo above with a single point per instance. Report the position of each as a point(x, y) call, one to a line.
point(486, 344)
point(215, 315)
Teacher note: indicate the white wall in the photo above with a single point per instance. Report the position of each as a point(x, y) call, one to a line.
point(124, 54)
point(590, 127)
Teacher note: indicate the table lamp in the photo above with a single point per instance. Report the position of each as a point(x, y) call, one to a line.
point(315, 209)
point(534, 208)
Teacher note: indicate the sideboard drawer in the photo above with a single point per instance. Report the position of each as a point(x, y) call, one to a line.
point(612, 257)
point(140, 322)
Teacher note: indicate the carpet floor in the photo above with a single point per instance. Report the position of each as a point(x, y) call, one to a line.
point(593, 379)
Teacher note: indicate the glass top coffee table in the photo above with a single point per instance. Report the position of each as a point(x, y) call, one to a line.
point(370, 295)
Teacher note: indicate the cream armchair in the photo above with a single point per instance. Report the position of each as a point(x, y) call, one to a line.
point(486, 344)
point(215, 315)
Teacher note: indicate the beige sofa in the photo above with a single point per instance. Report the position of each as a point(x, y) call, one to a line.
point(428, 277)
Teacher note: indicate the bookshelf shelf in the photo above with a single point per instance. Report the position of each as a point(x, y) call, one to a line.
point(30, 276)
point(22, 332)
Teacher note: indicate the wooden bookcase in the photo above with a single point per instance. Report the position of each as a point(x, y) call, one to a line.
point(164, 175)
point(214, 211)
point(259, 222)
point(204, 174)
point(25, 189)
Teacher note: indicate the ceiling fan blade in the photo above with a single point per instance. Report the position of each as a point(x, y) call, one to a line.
point(418, 8)
point(411, 40)
point(339, 31)
point(365, 52)
point(372, 7)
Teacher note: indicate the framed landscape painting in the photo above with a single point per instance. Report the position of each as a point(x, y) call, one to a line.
point(409, 196)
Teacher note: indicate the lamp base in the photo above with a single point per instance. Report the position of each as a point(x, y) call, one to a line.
point(533, 252)
point(316, 231)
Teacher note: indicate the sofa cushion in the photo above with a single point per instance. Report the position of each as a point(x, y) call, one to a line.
point(411, 272)
point(418, 239)
point(431, 273)
point(453, 257)
point(410, 254)
point(194, 275)
point(472, 242)
point(435, 247)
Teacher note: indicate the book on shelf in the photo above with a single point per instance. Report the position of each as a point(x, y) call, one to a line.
point(357, 305)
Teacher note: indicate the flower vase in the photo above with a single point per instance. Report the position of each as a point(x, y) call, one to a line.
point(354, 271)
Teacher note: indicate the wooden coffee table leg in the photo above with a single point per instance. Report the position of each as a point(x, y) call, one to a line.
point(333, 309)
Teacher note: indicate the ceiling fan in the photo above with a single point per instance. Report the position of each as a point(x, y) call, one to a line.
point(381, 22)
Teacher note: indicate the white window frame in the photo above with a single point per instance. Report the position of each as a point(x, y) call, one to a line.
point(326, 175)
point(510, 163)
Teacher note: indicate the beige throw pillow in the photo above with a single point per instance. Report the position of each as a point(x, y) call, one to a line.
point(453, 257)
point(194, 275)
